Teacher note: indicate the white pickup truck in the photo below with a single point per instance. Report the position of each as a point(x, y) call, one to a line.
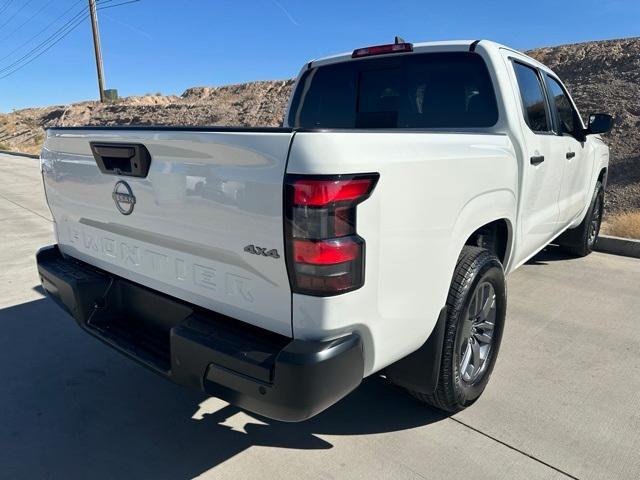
point(277, 267)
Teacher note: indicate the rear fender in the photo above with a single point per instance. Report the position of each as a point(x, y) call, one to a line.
point(479, 211)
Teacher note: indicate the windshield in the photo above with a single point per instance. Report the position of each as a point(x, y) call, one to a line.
point(428, 90)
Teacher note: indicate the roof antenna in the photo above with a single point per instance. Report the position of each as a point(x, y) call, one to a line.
point(399, 40)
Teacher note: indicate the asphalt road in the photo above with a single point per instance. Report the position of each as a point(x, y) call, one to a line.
point(563, 402)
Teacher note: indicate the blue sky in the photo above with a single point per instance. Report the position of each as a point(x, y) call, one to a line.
point(167, 46)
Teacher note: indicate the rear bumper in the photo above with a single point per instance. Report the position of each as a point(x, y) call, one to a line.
point(266, 373)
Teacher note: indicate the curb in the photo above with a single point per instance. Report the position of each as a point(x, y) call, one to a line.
point(19, 154)
point(618, 246)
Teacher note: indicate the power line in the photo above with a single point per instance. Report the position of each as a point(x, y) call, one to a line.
point(27, 20)
point(24, 5)
point(51, 41)
point(100, 2)
point(20, 67)
point(41, 31)
point(5, 6)
point(116, 5)
point(82, 13)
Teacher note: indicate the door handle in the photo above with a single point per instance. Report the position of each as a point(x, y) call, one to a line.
point(570, 155)
point(537, 160)
point(128, 159)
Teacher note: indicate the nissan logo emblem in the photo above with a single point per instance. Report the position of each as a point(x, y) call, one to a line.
point(123, 197)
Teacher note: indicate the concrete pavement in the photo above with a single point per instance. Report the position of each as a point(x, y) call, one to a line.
point(563, 402)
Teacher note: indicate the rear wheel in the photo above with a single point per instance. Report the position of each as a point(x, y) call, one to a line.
point(476, 310)
point(581, 240)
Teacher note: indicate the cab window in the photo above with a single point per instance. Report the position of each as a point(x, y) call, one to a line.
point(566, 114)
point(420, 90)
point(536, 114)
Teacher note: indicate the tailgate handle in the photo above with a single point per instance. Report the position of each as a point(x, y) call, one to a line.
point(127, 159)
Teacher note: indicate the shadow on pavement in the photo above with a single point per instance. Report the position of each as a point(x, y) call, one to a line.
point(551, 253)
point(72, 408)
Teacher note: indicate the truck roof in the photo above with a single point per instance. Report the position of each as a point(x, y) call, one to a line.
point(439, 46)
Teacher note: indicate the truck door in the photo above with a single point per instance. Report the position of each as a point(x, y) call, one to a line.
point(577, 170)
point(543, 162)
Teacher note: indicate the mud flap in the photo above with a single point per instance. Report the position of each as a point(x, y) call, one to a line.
point(420, 370)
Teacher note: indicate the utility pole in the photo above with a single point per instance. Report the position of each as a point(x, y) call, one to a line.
point(96, 46)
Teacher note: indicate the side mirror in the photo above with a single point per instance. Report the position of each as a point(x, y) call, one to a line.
point(599, 123)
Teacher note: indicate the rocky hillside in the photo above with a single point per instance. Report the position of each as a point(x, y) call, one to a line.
point(248, 104)
point(605, 77)
point(602, 76)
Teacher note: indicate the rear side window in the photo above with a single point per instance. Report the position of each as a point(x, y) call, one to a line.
point(427, 90)
point(567, 116)
point(533, 100)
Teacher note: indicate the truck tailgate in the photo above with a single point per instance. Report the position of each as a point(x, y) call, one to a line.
point(208, 195)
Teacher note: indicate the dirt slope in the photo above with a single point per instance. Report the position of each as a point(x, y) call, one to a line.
point(248, 104)
point(603, 76)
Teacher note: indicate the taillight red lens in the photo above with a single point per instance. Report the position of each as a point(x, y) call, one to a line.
point(325, 252)
point(316, 193)
point(325, 256)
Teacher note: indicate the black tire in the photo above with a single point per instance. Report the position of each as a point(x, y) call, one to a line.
point(475, 267)
point(579, 241)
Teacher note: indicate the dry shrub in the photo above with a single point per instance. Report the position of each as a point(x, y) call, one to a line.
point(625, 225)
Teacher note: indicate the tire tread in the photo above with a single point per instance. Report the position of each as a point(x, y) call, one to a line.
point(576, 240)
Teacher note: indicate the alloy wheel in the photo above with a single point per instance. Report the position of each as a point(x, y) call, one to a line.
point(596, 218)
point(477, 337)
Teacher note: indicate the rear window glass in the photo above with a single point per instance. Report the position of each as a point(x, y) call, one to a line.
point(428, 90)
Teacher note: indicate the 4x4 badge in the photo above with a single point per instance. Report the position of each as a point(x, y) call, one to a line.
point(273, 253)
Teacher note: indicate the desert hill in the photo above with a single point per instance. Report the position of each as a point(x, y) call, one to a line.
point(603, 76)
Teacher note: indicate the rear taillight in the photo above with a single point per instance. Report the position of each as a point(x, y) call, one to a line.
point(325, 255)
